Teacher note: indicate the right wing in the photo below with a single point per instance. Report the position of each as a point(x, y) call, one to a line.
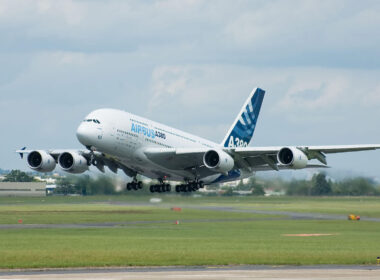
point(76, 161)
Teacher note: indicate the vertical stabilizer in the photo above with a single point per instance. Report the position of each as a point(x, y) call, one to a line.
point(241, 132)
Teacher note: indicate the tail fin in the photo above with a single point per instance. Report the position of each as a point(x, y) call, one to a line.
point(241, 132)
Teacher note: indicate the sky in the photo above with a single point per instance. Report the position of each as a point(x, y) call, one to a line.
point(191, 64)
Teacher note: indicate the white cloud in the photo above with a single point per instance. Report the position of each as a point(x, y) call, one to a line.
point(372, 98)
point(306, 93)
point(316, 94)
point(167, 82)
point(191, 64)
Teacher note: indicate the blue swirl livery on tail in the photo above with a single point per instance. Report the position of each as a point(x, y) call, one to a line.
point(241, 132)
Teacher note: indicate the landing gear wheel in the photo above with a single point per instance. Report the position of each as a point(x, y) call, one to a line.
point(157, 188)
point(151, 188)
point(139, 185)
point(168, 188)
point(178, 188)
point(201, 184)
point(134, 186)
point(129, 187)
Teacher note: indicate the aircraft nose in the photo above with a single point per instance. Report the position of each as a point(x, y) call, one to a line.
point(83, 134)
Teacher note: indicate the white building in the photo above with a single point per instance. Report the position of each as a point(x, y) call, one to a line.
point(23, 189)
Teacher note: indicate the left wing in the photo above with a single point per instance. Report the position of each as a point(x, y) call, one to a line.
point(251, 158)
point(270, 154)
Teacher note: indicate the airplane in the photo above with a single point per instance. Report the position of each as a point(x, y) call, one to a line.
point(120, 140)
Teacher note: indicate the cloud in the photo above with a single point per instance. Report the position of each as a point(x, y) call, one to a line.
point(190, 64)
point(316, 94)
point(253, 32)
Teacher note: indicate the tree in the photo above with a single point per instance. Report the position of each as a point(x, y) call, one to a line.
point(228, 192)
point(85, 185)
point(356, 186)
point(320, 185)
point(298, 187)
point(258, 190)
point(18, 176)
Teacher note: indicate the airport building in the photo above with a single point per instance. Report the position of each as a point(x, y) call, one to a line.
point(23, 189)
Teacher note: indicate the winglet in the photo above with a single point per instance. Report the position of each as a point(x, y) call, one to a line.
point(241, 132)
point(21, 152)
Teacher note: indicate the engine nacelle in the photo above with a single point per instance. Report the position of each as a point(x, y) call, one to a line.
point(218, 161)
point(41, 161)
point(292, 157)
point(73, 162)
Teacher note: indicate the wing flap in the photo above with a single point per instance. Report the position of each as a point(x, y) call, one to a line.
point(343, 149)
point(256, 151)
point(176, 159)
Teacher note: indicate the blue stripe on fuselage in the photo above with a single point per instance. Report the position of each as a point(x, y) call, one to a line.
point(232, 175)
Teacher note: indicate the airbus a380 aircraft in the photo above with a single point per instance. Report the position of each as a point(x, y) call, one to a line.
point(120, 140)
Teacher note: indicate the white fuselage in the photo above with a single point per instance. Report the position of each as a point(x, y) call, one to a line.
point(125, 136)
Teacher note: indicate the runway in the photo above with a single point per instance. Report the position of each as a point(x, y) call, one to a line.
point(130, 223)
point(206, 273)
point(280, 215)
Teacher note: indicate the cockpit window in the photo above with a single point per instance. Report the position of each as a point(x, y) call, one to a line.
point(92, 120)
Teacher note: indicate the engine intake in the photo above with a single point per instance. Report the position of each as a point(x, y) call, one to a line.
point(73, 162)
point(41, 161)
point(293, 158)
point(218, 161)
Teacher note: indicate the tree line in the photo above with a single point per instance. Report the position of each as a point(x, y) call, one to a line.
point(319, 185)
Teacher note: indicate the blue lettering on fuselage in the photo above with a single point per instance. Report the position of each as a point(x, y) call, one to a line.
point(140, 129)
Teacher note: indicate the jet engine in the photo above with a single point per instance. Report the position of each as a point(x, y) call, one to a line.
point(218, 161)
point(41, 161)
point(73, 162)
point(293, 158)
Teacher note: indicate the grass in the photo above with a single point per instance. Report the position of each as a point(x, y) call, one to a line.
point(229, 241)
point(363, 206)
point(102, 213)
point(259, 242)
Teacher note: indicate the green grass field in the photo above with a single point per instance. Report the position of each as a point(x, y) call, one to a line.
point(203, 237)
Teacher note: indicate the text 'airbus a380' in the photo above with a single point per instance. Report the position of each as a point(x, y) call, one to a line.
point(120, 140)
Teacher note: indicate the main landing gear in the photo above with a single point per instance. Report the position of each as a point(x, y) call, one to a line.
point(134, 186)
point(160, 188)
point(190, 187)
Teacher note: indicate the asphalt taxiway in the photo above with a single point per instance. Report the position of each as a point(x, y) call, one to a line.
point(206, 273)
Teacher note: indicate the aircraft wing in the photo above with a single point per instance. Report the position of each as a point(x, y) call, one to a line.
point(248, 158)
point(53, 152)
point(268, 155)
point(99, 160)
point(322, 149)
point(176, 159)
